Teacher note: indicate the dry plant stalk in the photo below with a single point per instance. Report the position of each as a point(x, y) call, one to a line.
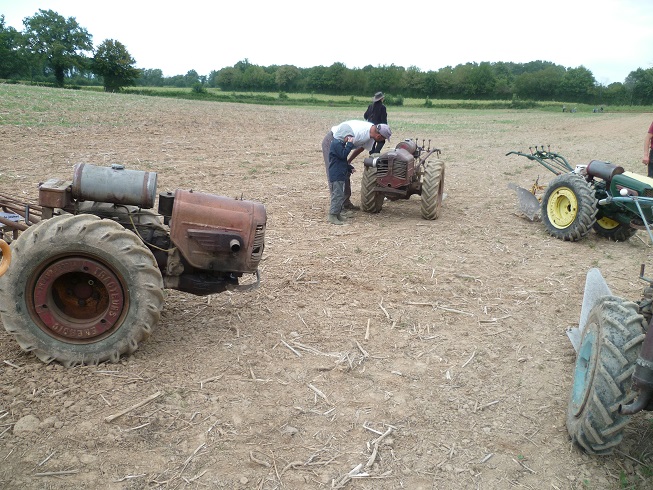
point(133, 407)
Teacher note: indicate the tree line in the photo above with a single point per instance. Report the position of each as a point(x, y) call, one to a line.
point(56, 50)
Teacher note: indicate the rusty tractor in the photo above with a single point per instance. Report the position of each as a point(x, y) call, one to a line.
point(91, 260)
point(400, 173)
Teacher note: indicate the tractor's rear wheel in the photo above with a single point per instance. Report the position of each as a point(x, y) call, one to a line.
point(569, 207)
point(432, 189)
point(81, 290)
point(371, 200)
point(603, 374)
point(613, 230)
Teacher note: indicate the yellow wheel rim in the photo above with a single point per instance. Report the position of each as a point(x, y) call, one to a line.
point(6, 257)
point(607, 223)
point(562, 207)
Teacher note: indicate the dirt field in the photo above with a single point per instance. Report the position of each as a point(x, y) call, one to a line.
point(429, 355)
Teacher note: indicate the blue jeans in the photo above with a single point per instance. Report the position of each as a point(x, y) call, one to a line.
point(337, 196)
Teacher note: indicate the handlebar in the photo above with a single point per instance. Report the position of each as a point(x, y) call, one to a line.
point(551, 161)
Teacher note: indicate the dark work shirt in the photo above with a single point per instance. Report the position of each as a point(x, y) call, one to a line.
point(376, 113)
point(338, 166)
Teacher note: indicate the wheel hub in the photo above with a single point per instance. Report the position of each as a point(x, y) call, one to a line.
point(78, 299)
point(562, 207)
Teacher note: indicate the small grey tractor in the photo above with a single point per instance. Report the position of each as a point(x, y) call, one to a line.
point(400, 173)
point(90, 261)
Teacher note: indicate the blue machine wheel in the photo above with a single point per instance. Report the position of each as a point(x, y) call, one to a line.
point(603, 374)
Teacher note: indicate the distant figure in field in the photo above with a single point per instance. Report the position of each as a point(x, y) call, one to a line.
point(376, 113)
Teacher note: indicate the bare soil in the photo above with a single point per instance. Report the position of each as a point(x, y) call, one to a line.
point(424, 354)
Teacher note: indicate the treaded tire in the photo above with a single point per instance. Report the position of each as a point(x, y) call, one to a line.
point(613, 230)
point(569, 207)
point(603, 372)
point(432, 189)
point(81, 290)
point(371, 200)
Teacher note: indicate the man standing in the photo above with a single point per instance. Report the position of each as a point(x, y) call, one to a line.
point(376, 113)
point(648, 150)
point(365, 135)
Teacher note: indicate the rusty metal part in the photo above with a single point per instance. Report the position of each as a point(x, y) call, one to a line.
point(55, 193)
point(215, 233)
point(6, 257)
point(13, 224)
point(77, 299)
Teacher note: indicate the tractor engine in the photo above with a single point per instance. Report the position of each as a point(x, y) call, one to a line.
point(396, 171)
point(202, 243)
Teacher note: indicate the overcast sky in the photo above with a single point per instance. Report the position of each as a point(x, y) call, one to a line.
point(609, 37)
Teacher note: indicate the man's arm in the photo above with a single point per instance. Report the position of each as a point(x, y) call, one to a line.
point(647, 148)
point(354, 154)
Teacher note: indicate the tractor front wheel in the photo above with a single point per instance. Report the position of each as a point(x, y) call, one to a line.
point(371, 200)
point(432, 189)
point(603, 374)
point(569, 207)
point(81, 290)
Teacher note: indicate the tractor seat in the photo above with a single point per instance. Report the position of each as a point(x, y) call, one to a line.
point(603, 170)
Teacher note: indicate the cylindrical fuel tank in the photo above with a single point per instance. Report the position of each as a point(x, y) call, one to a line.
point(114, 184)
point(409, 145)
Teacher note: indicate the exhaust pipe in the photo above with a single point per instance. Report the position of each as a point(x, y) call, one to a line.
point(371, 161)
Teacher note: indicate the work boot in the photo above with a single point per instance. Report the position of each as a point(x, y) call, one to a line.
point(351, 205)
point(335, 220)
point(346, 214)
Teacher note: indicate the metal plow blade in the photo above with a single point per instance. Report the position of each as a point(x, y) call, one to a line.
point(527, 203)
point(595, 289)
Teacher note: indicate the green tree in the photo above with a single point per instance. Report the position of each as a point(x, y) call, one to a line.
point(114, 64)
point(639, 83)
point(540, 85)
point(228, 79)
point(387, 79)
point(12, 58)
point(615, 93)
point(577, 85)
point(286, 77)
point(414, 82)
point(316, 79)
point(191, 78)
point(151, 77)
point(256, 78)
point(59, 42)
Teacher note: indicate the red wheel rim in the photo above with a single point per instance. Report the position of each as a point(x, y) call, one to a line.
point(78, 299)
